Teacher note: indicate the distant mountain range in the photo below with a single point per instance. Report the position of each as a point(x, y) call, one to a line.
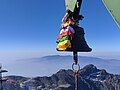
point(46, 66)
point(90, 78)
point(111, 65)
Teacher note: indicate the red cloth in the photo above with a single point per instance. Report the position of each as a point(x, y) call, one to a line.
point(65, 33)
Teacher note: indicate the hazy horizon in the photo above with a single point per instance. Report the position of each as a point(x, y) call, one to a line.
point(35, 66)
point(26, 55)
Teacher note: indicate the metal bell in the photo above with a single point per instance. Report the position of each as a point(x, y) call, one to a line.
point(78, 41)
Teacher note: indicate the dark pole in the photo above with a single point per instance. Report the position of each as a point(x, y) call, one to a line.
point(75, 57)
point(1, 78)
point(76, 12)
point(76, 68)
point(1, 85)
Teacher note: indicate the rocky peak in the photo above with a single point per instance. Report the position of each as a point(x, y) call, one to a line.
point(88, 69)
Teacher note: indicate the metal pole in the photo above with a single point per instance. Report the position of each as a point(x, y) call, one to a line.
point(75, 58)
point(1, 78)
point(76, 80)
point(1, 85)
point(75, 68)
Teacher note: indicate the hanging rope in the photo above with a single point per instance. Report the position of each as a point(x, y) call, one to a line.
point(76, 68)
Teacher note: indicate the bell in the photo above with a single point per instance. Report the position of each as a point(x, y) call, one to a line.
point(71, 38)
point(78, 43)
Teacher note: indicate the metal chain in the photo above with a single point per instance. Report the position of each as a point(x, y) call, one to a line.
point(76, 68)
point(76, 79)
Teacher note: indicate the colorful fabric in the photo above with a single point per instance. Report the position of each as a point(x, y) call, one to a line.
point(62, 46)
point(63, 39)
point(66, 34)
point(68, 22)
point(69, 27)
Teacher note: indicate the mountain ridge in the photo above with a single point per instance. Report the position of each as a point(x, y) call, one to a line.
point(90, 78)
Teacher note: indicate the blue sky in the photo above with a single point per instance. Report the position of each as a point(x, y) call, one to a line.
point(28, 26)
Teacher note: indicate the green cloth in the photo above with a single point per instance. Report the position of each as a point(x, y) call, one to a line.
point(113, 7)
point(70, 4)
point(63, 39)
